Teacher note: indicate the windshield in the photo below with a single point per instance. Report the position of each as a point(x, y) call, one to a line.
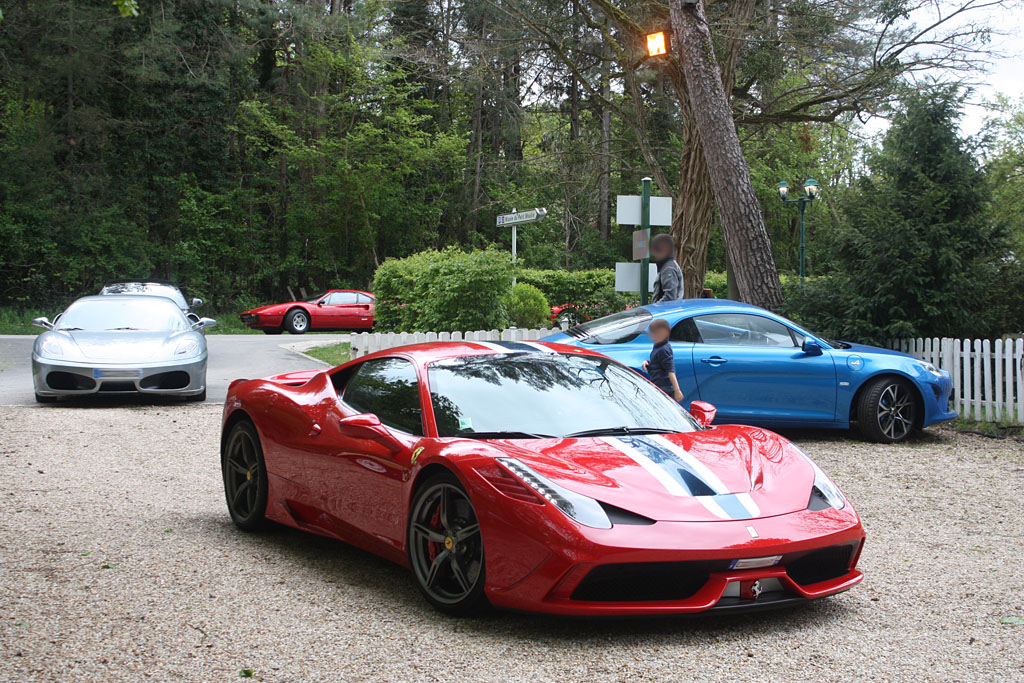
point(147, 289)
point(316, 298)
point(617, 328)
point(122, 313)
point(547, 395)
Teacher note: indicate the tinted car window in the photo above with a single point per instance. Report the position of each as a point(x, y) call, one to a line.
point(617, 328)
point(388, 388)
point(147, 289)
point(685, 331)
point(546, 394)
point(341, 298)
point(739, 329)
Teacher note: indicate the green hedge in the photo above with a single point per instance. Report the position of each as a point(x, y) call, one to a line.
point(443, 291)
point(568, 286)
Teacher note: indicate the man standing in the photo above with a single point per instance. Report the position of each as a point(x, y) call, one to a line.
point(669, 285)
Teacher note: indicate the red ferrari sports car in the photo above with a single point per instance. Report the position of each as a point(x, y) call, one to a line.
point(537, 477)
point(335, 309)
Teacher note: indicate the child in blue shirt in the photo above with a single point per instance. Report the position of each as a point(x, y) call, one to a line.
point(661, 367)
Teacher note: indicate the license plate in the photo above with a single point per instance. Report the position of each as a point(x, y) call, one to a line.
point(116, 374)
point(755, 562)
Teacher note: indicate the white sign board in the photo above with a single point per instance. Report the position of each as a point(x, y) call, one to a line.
point(627, 277)
point(627, 210)
point(520, 217)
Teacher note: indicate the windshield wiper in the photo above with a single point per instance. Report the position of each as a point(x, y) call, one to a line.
point(118, 329)
point(618, 431)
point(503, 434)
point(67, 329)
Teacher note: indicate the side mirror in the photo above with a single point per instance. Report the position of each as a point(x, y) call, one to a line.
point(196, 303)
point(43, 323)
point(204, 323)
point(812, 348)
point(703, 412)
point(367, 426)
point(320, 303)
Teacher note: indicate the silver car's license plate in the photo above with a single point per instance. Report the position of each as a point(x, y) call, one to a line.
point(116, 374)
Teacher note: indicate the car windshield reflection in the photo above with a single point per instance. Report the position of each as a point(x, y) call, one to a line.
point(117, 313)
point(548, 394)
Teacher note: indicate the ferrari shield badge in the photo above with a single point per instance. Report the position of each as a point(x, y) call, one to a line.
point(415, 455)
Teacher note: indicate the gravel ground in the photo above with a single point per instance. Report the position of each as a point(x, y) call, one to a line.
point(118, 562)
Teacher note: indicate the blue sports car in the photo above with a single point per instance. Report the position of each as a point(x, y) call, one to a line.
point(761, 369)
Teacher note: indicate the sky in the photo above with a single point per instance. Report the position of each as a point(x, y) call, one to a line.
point(1005, 74)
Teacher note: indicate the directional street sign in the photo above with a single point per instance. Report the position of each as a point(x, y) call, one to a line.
point(520, 217)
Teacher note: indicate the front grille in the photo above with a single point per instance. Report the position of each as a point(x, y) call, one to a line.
point(820, 565)
point(249, 318)
point(117, 386)
point(641, 582)
point(69, 381)
point(177, 379)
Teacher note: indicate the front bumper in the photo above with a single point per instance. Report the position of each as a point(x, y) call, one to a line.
point(938, 399)
point(538, 561)
point(67, 378)
point(261, 321)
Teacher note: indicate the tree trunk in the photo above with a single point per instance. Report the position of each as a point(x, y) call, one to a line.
point(747, 242)
point(605, 166)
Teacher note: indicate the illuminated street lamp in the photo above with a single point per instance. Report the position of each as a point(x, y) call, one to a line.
point(811, 189)
point(657, 44)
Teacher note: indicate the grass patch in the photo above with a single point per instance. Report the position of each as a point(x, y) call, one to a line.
point(964, 424)
point(335, 354)
point(19, 320)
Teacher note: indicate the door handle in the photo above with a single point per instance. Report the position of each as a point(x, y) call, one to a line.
point(714, 361)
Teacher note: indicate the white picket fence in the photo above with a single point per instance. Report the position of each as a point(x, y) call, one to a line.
point(371, 342)
point(988, 376)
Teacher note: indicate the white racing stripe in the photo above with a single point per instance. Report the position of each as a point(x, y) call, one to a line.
point(709, 477)
point(492, 346)
point(539, 347)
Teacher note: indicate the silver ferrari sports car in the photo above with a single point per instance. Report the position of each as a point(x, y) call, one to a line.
point(124, 343)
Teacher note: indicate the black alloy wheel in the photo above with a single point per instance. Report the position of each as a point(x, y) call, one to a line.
point(446, 550)
point(245, 477)
point(887, 411)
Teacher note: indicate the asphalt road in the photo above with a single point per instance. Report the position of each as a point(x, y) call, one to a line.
point(231, 356)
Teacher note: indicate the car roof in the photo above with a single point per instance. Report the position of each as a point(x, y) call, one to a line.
point(145, 298)
point(357, 291)
point(694, 306)
point(428, 352)
point(162, 283)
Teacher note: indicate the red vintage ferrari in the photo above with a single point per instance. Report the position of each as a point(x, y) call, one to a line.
point(537, 477)
point(335, 309)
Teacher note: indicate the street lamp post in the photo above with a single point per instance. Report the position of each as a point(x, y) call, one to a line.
point(811, 189)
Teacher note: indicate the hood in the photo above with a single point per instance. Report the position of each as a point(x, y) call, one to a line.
point(730, 472)
point(864, 348)
point(126, 346)
point(275, 309)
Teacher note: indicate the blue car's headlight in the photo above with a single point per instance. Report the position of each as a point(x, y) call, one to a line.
point(928, 367)
point(584, 510)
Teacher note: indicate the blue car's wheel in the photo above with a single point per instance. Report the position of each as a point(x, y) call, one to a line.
point(887, 410)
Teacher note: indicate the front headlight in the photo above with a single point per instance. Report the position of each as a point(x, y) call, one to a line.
point(52, 347)
point(824, 492)
point(928, 367)
point(584, 510)
point(186, 347)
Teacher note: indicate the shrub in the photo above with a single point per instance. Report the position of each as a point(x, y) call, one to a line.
point(568, 286)
point(527, 307)
point(443, 291)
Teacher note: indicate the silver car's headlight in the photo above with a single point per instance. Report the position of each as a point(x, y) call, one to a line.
point(584, 510)
point(52, 347)
point(823, 488)
point(187, 347)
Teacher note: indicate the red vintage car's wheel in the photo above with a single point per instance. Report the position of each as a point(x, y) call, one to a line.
point(297, 321)
point(245, 477)
point(446, 550)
